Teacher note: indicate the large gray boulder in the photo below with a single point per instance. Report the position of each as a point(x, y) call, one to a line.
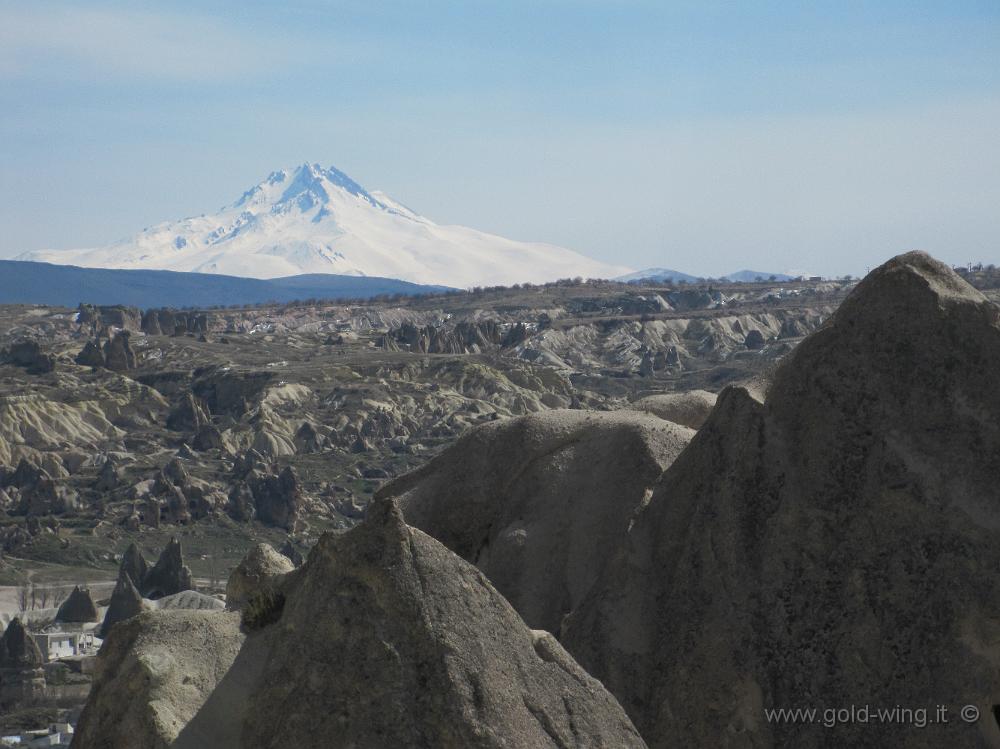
point(386, 638)
point(153, 674)
point(834, 546)
point(538, 501)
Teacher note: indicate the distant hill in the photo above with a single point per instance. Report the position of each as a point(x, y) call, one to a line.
point(23, 282)
point(745, 276)
point(664, 275)
point(661, 275)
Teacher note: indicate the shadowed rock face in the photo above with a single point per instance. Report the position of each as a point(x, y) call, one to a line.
point(257, 576)
point(169, 575)
point(18, 649)
point(78, 607)
point(28, 354)
point(125, 603)
point(134, 565)
point(835, 546)
point(537, 502)
point(118, 353)
point(388, 639)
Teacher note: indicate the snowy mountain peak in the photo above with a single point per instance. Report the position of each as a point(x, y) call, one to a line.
point(305, 186)
point(311, 219)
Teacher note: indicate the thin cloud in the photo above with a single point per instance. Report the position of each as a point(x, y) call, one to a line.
point(55, 40)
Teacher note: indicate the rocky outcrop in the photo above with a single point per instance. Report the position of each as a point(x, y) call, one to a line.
point(834, 546)
point(272, 498)
point(134, 565)
point(754, 340)
point(18, 649)
point(118, 353)
point(462, 338)
point(78, 607)
point(91, 355)
point(208, 437)
point(100, 318)
point(169, 575)
point(28, 355)
point(257, 577)
point(125, 603)
point(689, 408)
point(190, 600)
point(187, 416)
point(153, 674)
point(37, 493)
point(109, 477)
point(174, 322)
point(21, 674)
point(388, 639)
point(229, 392)
point(537, 502)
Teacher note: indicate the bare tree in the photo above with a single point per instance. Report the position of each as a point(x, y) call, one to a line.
point(23, 597)
point(58, 596)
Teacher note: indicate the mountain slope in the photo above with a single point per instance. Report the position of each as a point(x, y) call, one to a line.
point(313, 220)
point(66, 285)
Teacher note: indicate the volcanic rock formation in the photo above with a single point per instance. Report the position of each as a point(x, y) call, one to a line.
point(258, 576)
point(689, 408)
point(153, 674)
point(125, 603)
point(538, 501)
point(834, 546)
point(21, 675)
point(169, 575)
point(78, 607)
point(386, 638)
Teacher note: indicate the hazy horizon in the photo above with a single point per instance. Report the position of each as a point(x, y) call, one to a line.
point(699, 137)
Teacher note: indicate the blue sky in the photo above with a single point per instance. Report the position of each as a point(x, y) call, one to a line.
point(696, 135)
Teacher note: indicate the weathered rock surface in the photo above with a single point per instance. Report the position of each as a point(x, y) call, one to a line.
point(134, 565)
point(125, 603)
point(91, 355)
point(18, 649)
point(689, 408)
point(118, 353)
point(538, 501)
point(29, 355)
point(190, 600)
point(258, 575)
point(261, 492)
point(169, 575)
point(388, 639)
point(835, 546)
point(188, 416)
point(21, 675)
point(78, 607)
point(153, 674)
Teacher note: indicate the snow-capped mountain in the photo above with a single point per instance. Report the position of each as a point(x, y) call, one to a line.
point(315, 220)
